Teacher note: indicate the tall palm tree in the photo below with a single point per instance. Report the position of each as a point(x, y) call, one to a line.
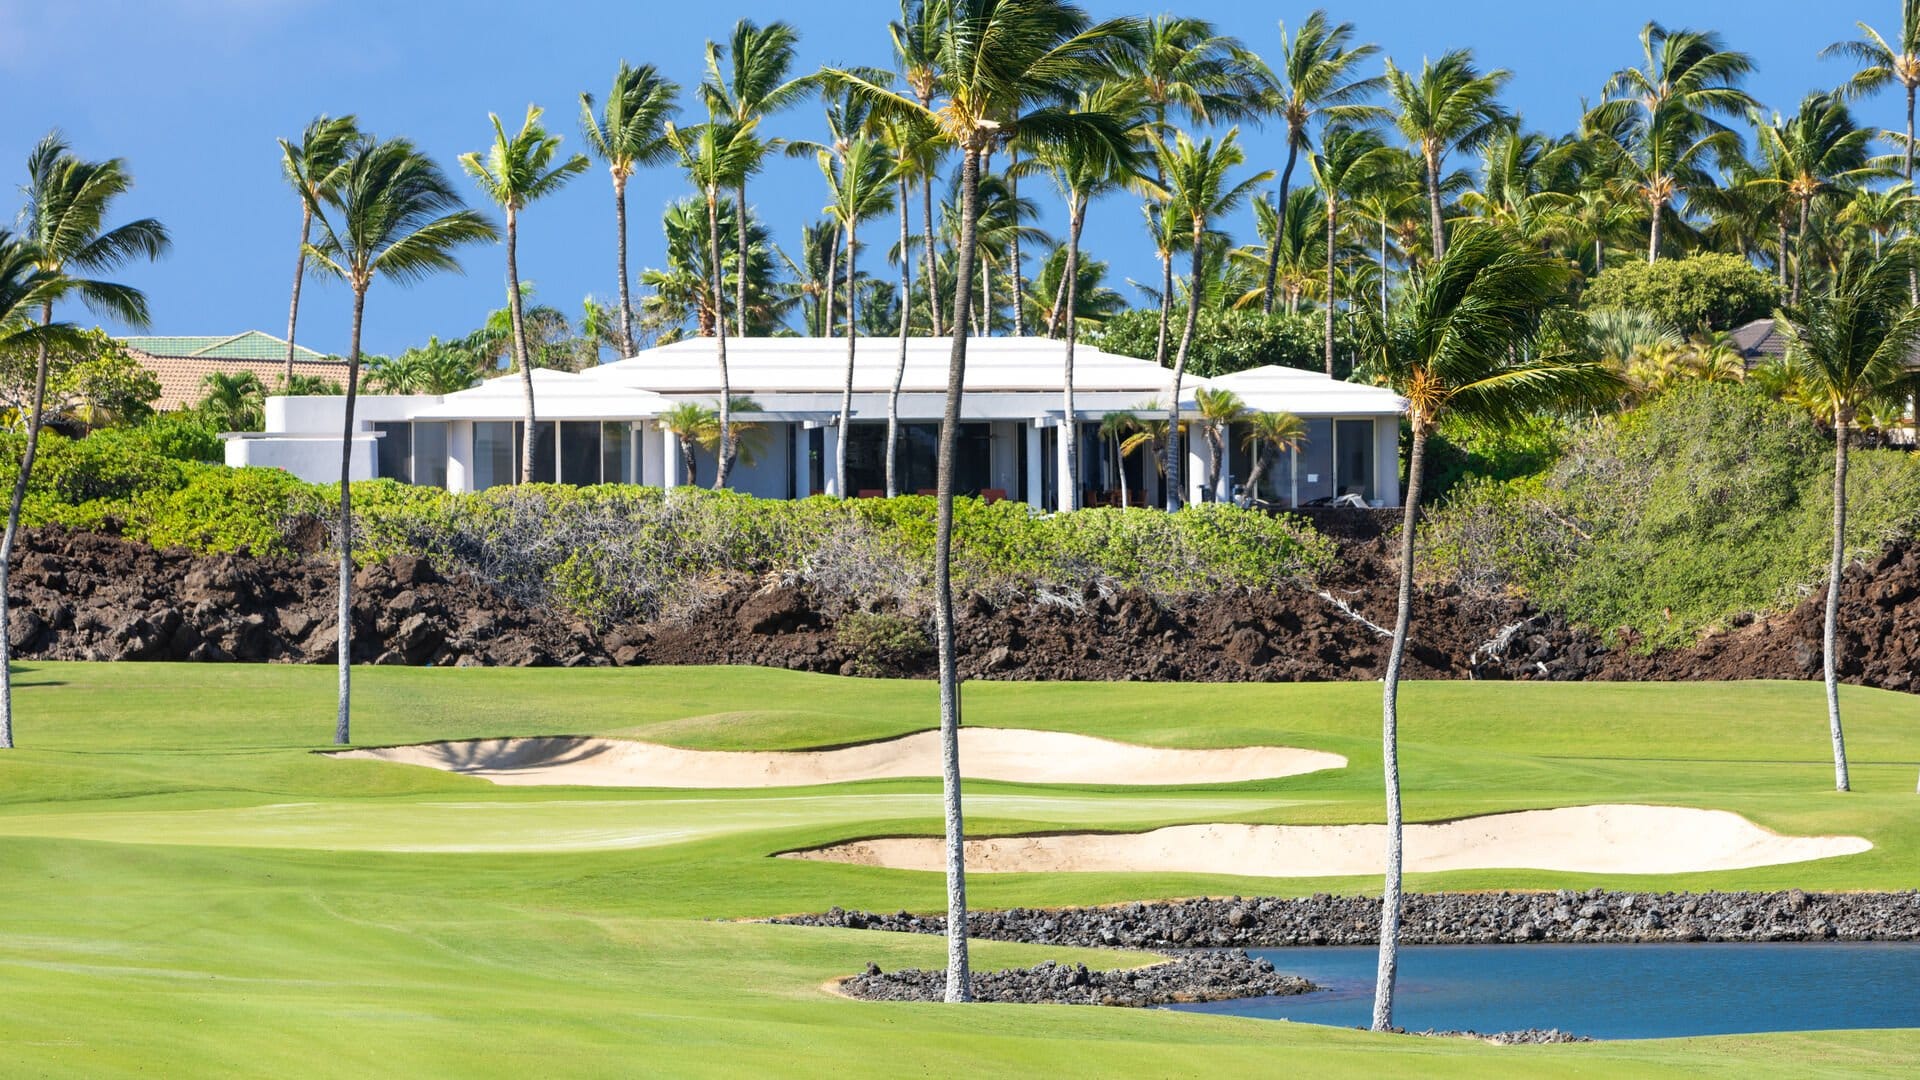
point(1219, 410)
point(1003, 65)
point(1459, 344)
point(313, 168)
point(1882, 213)
point(1281, 432)
point(1816, 151)
point(1883, 63)
point(916, 47)
point(914, 145)
point(516, 171)
point(861, 185)
point(1200, 191)
point(1851, 344)
point(629, 132)
point(394, 215)
point(1348, 160)
point(715, 154)
point(1450, 106)
point(65, 231)
point(1667, 111)
point(1316, 79)
point(747, 81)
point(27, 289)
point(1115, 428)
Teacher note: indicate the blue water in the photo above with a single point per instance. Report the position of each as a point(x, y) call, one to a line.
point(1607, 991)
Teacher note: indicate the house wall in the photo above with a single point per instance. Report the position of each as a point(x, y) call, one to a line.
point(317, 461)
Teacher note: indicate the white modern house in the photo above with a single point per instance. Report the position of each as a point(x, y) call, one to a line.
point(601, 425)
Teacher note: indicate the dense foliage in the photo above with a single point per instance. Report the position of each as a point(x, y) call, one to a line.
point(1697, 294)
point(1227, 340)
point(1710, 501)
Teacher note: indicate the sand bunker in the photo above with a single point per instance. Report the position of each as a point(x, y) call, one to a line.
point(1034, 757)
point(1617, 839)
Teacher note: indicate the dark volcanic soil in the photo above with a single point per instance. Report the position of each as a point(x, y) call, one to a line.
point(83, 596)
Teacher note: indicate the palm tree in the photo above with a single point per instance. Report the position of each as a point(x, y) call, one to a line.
point(746, 83)
point(1451, 106)
point(394, 215)
point(715, 154)
point(1003, 64)
point(629, 132)
point(1281, 432)
point(747, 437)
point(1850, 346)
point(860, 184)
point(1316, 79)
point(66, 236)
point(916, 46)
point(1882, 213)
point(691, 424)
point(914, 145)
point(1115, 428)
point(1666, 111)
point(27, 289)
point(1459, 344)
point(515, 172)
point(1348, 159)
point(1883, 63)
point(233, 401)
point(1219, 410)
point(1817, 151)
point(313, 168)
point(1200, 192)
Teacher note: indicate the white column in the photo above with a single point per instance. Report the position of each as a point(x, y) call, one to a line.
point(1293, 479)
point(460, 455)
point(1066, 496)
point(1386, 460)
point(802, 474)
point(1197, 478)
point(1035, 474)
point(669, 460)
point(829, 451)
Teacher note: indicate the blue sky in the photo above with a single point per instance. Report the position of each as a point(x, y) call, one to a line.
point(194, 92)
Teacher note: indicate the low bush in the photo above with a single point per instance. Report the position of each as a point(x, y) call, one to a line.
point(881, 643)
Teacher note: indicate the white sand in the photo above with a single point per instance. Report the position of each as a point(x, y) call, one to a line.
point(1021, 756)
point(1616, 839)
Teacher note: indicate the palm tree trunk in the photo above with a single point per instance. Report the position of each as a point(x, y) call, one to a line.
point(1653, 238)
point(1280, 219)
point(1055, 313)
point(1390, 744)
point(933, 263)
point(900, 368)
point(1913, 275)
point(344, 614)
point(1175, 495)
point(13, 530)
point(724, 458)
point(299, 275)
point(520, 346)
point(620, 232)
point(1433, 207)
point(846, 394)
point(1332, 213)
point(1077, 217)
point(1216, 448)
point(959, 981)
point(986, 298)
point(1120, 466)
point(827, 294)
point(1800, 250)
point(1831, 634)
point(1019, 286)
point(689, 463)
point(740, 270)
point(1166, 304)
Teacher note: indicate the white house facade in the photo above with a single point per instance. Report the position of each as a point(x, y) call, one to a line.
point(602, 425)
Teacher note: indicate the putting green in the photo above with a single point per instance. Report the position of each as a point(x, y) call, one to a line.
point(191, 890)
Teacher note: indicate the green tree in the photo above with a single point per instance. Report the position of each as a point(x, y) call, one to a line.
point(1004, 64)
point(747, 81)
point(691, 424)
point(1316, 79)
point(1219, 410)
point(1281, 432)
point(683, 294)
point(627, 133)
point(516, 171)
point(1817, 151)
point(395, 216)
point(1115, 429)
point(916, 49)
point(1201, 191)
point(1883, 63)
point(1460, 344)
point(1710, 291)
point(1450, 106)
point(313, 166)
point(1851, 345)
point(65, 237)
point(860, 182)
point(233, 401)
point(1349, 159)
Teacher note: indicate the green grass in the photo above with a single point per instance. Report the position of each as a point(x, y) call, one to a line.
point(189, 890)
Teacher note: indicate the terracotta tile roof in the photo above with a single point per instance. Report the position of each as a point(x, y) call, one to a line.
point(182, 364)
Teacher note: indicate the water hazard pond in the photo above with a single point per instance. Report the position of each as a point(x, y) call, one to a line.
point(1607, 991)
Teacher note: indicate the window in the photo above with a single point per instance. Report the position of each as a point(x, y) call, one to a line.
point(917, 466)
point(394, 451)
point(616, 453)
point(579, 452)
point(1353, 440)
point(430, 453)
point(544, 466)
point(494, 460)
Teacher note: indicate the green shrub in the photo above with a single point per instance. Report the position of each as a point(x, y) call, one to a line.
point(1694, 295)
point(218, 510)
point(182, 436)
point(1227, 341)
point(881, 643)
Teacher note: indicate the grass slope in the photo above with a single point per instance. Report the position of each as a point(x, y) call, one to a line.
point(190, 890)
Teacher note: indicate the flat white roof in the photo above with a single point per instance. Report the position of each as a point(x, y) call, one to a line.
point(1308, 393)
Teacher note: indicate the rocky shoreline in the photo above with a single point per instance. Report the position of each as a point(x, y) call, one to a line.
point(1193, 977)
point(1596, 916)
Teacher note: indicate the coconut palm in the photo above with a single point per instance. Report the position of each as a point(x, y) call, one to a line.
point(313, 166)
point(65, 232)
point(1295, 244)
point(1850, 345)
point(1883, 63)
point(233, 400)
point(691, 424)
point(627, 133)
point(1882, 213)
point(716, 154)
point(748, 438)
point(1200, 191)
point(861, 183)
point(516, 171)
point(1218, 411)
point(1460, 344)
point(1664, 115)
point(1347, 161)
point(394, 215)
point(1003, 64)
point(1116, 428)
point(914, 146)
point(1316, 79)
point(1450, 106)
point(916, 47)
point(1817, 151)
point(1281, 432)
point(747, 81)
